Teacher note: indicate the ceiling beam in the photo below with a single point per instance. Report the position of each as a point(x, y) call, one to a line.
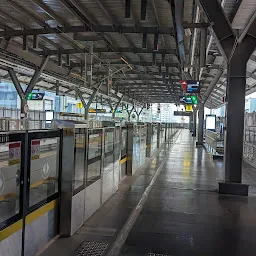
point(119, 63)
point(130, 72)
point(144, 78)
point(108, 50)
point(145, 84)
point(234, 10)
point(221, 27)
point(93, 28)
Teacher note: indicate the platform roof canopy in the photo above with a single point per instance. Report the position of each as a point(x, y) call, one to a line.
point(140, 49)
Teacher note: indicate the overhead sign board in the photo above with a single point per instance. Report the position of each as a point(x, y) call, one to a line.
point(184, 85)
point(189, 108)
point(188, 100)
point(97, 110)
point(190, 86)
point(210, 123)
point(35, 96)
point(79, 105)
point(182, 113)
point(71, 114)
point(193, 86)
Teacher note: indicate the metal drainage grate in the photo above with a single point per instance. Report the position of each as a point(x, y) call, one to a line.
point(90, 248)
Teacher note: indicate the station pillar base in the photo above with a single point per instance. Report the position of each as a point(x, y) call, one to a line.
point(232, 188)
point(199, 143)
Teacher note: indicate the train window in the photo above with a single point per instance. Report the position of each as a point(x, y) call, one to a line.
point(10, 170)
point(43, 169)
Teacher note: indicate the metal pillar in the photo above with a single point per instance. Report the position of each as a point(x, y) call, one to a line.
point(68, 158)
point(138, 114)
point(203, 42)
point(235, 120)
point(149, 139)
point(165, 132)
point(90, 65)
point(194, 122)
point(191, 123)
point(158, 134)
point(23, 95)
point(129, 113)
point(116, 107)
point(129, 171)
point(200, 135)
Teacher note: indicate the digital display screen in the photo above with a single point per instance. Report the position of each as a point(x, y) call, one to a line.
point(193, 86)
point(49, 115)
point(35, 96)
point(189, 100)
point(98, 110)
point(210, 122)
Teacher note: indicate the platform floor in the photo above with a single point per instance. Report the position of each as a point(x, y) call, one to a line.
point(182, 215)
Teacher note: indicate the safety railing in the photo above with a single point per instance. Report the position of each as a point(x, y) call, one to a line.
point(154, 137)
point(249, 153)
point(215, 141)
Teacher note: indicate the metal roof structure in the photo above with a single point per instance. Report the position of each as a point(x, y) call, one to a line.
point(140, 49)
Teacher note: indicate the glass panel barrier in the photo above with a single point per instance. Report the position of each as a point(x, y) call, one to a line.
point(79, 171)
point(94, 156)
point(117, 148)
point(108, 150)
point(161, 134)
point(143, 137)
point(10, 172)
point(44, 169)
point(123, 152)
point(108, 165)
point(136, 149)
point(154, 138)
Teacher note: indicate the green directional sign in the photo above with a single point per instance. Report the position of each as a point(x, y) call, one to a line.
point(194, 99)
point(29, 97)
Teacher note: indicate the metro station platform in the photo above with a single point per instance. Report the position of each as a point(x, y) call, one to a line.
point(170, 206)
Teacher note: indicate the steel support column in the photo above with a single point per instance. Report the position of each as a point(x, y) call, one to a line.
point(200, 135)
point(149, 139)
point(129, 113)
point(158, 135)
point(165, 132)
point(236, 82)
point(236, 88)
point(191, 123)
point(87, 106)
point(194, 122)
point(36, 76)
point(116, 107)
point(138, 113)
point(130, 128)
point(90, 66)
point(23, 101)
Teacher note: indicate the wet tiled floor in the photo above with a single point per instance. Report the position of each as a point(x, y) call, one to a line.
point(183, 214)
